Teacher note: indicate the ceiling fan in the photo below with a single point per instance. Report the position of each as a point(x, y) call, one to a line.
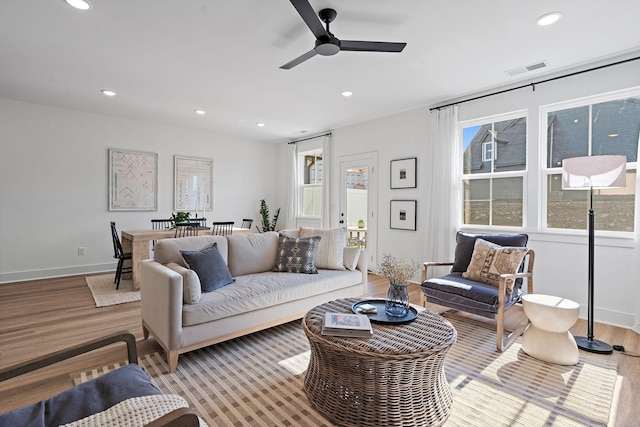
point(326, 43)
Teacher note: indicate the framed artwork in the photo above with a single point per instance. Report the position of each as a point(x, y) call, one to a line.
point(403, 173)
point(193, 184)
point(403, 214)
point(133, 180)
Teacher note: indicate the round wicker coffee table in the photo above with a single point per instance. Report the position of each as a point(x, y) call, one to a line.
point(395, 378)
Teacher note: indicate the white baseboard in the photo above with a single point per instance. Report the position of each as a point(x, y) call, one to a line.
point(21, 276)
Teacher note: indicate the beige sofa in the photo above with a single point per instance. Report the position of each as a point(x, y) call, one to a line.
point(182, 319)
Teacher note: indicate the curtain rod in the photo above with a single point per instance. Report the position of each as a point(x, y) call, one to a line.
point(533, 85)
point(311, 137)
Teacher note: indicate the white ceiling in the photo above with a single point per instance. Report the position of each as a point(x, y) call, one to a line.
point(166, 58)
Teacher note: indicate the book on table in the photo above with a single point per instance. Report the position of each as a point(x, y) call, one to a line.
point(347, 325)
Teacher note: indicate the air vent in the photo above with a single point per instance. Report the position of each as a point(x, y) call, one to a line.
point(526, 68)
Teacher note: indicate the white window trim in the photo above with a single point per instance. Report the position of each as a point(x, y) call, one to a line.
point(508, 174)
point(488, 148)
point(546, 171)
point(302, 186)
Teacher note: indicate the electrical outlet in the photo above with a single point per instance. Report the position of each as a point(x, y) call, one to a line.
point(81, 251)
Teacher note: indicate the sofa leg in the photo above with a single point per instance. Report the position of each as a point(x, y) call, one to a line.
point(145, 332)
point(172, 360)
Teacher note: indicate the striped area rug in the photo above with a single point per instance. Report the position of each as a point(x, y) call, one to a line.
point(257, 380)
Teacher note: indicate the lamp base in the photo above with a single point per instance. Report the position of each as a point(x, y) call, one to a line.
point(594, 346)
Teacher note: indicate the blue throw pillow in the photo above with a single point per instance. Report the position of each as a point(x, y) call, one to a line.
point(210, 268)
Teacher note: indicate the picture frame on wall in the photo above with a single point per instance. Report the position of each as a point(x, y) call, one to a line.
point(133, 180)
point(403, 173)
point(193, 184)
point(403, 214)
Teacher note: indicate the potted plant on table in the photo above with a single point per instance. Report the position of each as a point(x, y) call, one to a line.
point(179, 217)
point(267, 225)
point(399, 271)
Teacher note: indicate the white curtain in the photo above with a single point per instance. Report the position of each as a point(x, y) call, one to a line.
point(325, 221)
point(292, 206)
point(443, 191)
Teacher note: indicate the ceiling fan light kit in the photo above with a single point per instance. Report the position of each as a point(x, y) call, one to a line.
point(326, 43)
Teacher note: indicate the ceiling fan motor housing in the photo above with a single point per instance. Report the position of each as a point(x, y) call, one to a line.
point(327, 46)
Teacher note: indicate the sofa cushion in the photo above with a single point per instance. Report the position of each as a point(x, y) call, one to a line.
point(252, 253)
point(210, 268)
point(489, 261)
point(297, 255)
point(351, 257)
point(331, 247)
point(270, 289)
point(168, 250)
point(191, 288)
point(465, 243)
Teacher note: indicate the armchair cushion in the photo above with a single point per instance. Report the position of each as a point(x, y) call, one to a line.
point(489, 261)
point(465, 244)
point(471, 296)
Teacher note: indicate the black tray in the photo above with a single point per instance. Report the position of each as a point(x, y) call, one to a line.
point(381, 316)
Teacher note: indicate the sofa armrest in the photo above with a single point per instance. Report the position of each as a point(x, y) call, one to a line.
point(161, 303)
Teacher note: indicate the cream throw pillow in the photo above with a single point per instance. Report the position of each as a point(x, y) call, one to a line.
point(331, 248)
point(489, 261)
point(191, 288)
point(351, 256)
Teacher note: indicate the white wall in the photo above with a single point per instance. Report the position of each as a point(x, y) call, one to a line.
point(561, 260)
point(53, 184)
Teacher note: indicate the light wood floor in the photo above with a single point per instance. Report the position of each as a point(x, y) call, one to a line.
point(42, 316)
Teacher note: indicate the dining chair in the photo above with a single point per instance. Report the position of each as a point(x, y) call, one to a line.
point(161, 224)
point(185, 229)
point(119, 254)
point(201, 222)
point(221, 228)
point(246, 223)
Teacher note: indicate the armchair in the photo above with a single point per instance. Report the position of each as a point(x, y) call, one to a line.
point(458, 292)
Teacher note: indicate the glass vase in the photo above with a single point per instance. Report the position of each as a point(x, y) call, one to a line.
point(397, 302)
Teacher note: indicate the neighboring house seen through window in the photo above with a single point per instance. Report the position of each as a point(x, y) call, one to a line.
point(602, 125)
point(494, 166)
point(311, 188)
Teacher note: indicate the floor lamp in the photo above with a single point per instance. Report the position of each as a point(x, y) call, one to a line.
point(589, 173)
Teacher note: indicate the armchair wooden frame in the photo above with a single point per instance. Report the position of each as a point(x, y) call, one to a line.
point(502, 342)
point(181, 417)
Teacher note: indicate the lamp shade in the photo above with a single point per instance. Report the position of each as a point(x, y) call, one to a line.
point(607, 171)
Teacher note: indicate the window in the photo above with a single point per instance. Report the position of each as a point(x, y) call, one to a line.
point(601, 125)
point(487, 151)
point(494, 166)
point(311, 189)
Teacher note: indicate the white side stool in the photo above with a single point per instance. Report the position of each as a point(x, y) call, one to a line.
point(547, 337)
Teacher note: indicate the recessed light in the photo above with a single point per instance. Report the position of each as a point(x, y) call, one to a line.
point(79, 4)
point(260, 125)
point(549, 18)
point(347, 93)
point(200, 112)
point(613, 135)
point(108, 92)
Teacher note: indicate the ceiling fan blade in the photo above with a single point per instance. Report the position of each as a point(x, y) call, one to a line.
point(364, 46)
point(299, 60)
point(310, 17)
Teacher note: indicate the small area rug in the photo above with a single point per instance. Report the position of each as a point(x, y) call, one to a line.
point(258, 380)
point(104, 291)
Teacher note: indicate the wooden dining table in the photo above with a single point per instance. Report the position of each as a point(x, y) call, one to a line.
point(136, 242)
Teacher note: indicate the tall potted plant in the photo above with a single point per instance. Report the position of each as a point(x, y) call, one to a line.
point(267, 225)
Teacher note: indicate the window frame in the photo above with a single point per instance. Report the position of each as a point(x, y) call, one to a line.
point(302, 186)
point(488, 148)
point(546, 171)
point(517, 114)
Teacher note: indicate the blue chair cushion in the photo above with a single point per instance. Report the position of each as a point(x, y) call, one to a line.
point(456, 292)
point(84, 399)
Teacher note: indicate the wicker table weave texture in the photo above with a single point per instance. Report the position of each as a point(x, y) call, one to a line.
point(395, 378)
